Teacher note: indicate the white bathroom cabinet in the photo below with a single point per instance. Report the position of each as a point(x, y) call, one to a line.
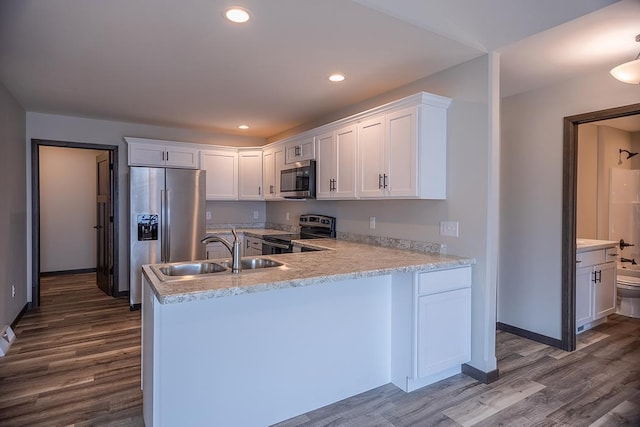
point(595, 287)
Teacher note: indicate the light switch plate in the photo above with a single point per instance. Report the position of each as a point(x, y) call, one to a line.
point(449, 228)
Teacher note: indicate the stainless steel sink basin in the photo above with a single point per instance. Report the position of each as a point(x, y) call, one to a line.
point(189, 269)
point(254, 263)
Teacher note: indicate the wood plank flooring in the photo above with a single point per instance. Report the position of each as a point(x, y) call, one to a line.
point(76, 361)
point(596, 385)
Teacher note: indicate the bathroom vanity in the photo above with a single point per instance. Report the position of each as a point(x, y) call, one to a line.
point(595, 282)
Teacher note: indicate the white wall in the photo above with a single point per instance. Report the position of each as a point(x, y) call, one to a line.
point(467, 193)
point(67, 208)
point(92, 131)
point(13, 209)
point(531, 198)
point(225, 213)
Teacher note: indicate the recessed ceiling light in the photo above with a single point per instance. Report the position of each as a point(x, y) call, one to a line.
point(243, 127)
point(336, 77)
point(237, 15)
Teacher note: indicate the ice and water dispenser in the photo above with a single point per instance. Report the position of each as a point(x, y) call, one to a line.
point(147, 227)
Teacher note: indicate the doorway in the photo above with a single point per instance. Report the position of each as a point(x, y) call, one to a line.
point(569, 209)
point(100, 223)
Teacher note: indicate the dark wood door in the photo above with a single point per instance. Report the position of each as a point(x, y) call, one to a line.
point(104, 223)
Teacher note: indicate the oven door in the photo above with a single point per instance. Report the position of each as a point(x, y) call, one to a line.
point(272, 248)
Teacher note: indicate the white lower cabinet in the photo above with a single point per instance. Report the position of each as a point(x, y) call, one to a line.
point(595, 288)
point(437, 329)
point(444, 331)
point(217, 250)
point(252, 246)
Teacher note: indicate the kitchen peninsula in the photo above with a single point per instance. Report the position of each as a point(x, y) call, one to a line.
point(259, 347)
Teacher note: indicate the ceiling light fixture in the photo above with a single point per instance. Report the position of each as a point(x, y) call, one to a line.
point(237, 14)
point(243, 127)
point(336, 77)
point(629, 72)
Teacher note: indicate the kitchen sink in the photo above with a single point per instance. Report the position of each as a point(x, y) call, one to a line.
point(254, 263)
point(188, 269)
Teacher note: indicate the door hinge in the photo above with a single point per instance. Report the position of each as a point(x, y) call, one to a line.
point(110, 166)
point(111, 218)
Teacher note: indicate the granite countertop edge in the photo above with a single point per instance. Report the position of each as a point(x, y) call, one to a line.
point(340, 260)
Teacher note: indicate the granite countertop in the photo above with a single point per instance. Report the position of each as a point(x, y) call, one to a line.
point(585, 245)
point(340, 260)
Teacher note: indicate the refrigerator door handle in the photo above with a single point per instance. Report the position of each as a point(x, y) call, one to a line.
point(163, 228)
point(167, 224)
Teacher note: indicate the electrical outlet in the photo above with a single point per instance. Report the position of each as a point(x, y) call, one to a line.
point(449, 228)
point(256, 214)
point(208, 214)
point(372, 222)
point(13, 291)
point(287, 216)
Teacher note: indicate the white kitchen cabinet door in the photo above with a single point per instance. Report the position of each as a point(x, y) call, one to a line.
point(181, 157)
point(252, 246)
point(301, 149)
point(325, 166)
point(584, 299)
point(444, 331)
point(272, 164)
point(402, 160)
point(604, 290)
point(161, 154)
point(250, 171)
point(217, 250)
point(371, 163)
point(221, 168)
point(346, 144)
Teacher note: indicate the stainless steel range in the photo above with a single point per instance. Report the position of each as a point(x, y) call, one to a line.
point(311, 227)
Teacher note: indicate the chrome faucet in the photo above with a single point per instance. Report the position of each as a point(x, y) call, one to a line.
point(234, 248)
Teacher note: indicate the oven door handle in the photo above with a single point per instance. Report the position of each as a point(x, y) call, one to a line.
point(275, 245)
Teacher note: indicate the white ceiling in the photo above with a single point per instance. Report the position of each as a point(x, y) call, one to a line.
point(180, 63)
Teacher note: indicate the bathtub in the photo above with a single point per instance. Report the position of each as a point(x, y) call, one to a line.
point(627, 269)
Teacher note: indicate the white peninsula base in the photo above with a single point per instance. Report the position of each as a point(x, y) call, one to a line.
point(259, 358)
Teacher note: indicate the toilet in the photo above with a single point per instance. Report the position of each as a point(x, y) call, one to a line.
point(628, 289)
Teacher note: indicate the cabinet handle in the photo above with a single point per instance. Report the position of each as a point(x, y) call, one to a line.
point(599, 276)
point(258, 190)
point(613, 254)
point(379, 180)
point(167, 156)
point(578, 262)
point(298, 150)
point(271, 189)
point(163, 156)
point(335, 185)
point(385, 180)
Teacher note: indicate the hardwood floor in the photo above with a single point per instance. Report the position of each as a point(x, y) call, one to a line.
point(596, 385)
point(76, 361)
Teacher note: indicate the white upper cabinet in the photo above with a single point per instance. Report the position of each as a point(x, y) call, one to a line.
point(221, 166)
point(336, 164)
point(250, 187)
point(402, 154)
point(148, 152)
point(300, 149)
point(272, 164)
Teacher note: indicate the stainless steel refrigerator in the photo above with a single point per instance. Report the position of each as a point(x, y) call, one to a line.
point(167, 220)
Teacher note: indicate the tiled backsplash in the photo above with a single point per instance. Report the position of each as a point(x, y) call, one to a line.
point(388, 242)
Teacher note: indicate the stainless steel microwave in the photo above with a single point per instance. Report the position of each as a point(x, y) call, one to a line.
point(298, 180)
